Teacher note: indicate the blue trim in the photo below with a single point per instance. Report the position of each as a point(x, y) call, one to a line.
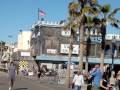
point(58, 58)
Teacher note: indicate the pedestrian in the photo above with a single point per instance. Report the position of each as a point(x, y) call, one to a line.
point(78, 80)
point(104, 85)
point(12, 73)
point(113, 80)
point(97, 74)
point(118, 79)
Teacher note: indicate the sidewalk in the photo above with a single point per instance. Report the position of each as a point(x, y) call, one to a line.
point(52, 83)
point(48, 81)
point(43, 81)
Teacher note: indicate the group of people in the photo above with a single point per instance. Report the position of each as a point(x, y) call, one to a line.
point(97, 79)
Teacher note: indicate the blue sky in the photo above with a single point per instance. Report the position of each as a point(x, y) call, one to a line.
point(21, 14)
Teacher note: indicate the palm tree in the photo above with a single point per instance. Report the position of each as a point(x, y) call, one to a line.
point(78, 11)
point(108, 17)
point(34, 54)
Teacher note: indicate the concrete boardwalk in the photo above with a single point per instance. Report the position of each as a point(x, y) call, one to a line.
point(23, 83)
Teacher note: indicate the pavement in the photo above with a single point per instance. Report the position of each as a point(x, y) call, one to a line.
point(25, 83)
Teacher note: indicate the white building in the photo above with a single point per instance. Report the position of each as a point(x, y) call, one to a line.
point(24, 40)
point(23, 46)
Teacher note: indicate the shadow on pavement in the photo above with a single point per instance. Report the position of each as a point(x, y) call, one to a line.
point(21, 89)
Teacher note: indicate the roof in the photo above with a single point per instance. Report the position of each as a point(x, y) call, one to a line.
point(59, 58)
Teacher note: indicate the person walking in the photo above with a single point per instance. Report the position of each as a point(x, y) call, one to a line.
point(118, 79)
point(113, 80)
point(97, 76)
point(78, 80)
point(104, 85)
point(11, 73)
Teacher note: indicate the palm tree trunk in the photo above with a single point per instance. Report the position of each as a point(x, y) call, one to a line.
point(68, 79)
point(86, 64)
point(103, 32)
point(81, 46)
point(102, 60)
point(68, 69)
point(88, 46)
point(38, 66)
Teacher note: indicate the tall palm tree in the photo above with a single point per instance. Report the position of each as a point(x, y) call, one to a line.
point(108, 17)
point(79, 11)
point(83, 8)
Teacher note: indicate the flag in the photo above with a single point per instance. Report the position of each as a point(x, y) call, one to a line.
point(42, 13)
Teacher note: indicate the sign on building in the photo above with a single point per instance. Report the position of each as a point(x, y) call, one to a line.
point(66, 33)
point(25, 53)
point(96, 39)
point(64, 48)
point(52, 51)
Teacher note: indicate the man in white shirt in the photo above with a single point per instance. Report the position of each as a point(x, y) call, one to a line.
point(78, 80)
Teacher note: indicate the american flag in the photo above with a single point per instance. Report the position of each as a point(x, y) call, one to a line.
point(42, 13)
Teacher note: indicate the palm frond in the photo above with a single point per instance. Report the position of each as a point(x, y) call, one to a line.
point(113, 20)
point(89, 10)
point(93, 2)
point(106, 8)
point(114, 12)
point(115, 25)
point(73, 6)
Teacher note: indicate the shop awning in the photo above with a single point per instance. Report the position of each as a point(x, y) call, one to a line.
point(59, 58)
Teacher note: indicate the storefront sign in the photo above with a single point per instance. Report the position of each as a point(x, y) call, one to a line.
point(64, 48)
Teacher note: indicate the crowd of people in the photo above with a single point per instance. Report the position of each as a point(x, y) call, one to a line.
point(97, 79)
